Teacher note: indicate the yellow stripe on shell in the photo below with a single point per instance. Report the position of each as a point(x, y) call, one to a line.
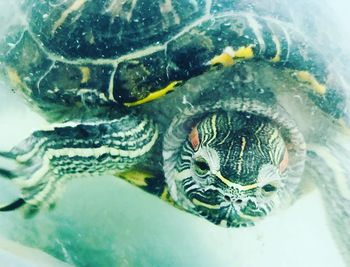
point(74, 7)
point(167, 198)
point(244, 52)
point(14, 77)
point(277, 57)
point(226, 58)
point(165, 194)
point(136, 177)
point(16, 80)
point(85, 74)
point(307, 77)
point(154, 95)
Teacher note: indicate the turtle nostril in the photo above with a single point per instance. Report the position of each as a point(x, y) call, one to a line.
point(230, 199)
point(239, 201)
point(227, 198)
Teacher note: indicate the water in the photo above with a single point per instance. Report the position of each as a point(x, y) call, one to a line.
point(107, 222)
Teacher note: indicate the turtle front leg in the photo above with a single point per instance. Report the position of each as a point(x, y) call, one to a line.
point(331, 172)
point(42, 163)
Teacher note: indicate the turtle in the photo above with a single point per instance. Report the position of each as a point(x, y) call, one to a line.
point(213, 108)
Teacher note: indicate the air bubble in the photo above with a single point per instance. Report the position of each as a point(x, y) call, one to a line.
point(261, 91)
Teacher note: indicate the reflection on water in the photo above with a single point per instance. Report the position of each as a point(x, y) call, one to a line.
point(107, 222)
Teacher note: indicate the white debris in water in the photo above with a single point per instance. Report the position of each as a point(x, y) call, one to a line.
point(16, 255)
point(115, 224)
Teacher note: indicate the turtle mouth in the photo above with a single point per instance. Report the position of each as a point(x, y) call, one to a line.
point(222, 208)
point(238, 213)
point(242, 215)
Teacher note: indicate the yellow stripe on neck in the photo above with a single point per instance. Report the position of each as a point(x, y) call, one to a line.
point(234, 185)
point(206, 205)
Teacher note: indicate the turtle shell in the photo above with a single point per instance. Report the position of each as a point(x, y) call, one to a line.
point(109, 28)
point(100, 53)
point(78, 53)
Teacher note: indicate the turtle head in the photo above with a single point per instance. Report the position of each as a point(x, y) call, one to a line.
point(231, 168)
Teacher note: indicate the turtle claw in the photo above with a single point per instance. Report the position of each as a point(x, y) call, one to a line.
point(32, 199)
point(14, 205)
point(29, 211)
point(33, 193)
point(11, 168)
point(7, 174)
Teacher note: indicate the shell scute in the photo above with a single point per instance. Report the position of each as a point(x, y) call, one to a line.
point(109, 29)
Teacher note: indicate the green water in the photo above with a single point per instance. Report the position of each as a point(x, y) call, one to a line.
point(104, 221)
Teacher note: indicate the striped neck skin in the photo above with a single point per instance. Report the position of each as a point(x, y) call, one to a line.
point(231, 168)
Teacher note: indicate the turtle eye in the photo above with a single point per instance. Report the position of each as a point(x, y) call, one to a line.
point(269, 188)
point(201, 166)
